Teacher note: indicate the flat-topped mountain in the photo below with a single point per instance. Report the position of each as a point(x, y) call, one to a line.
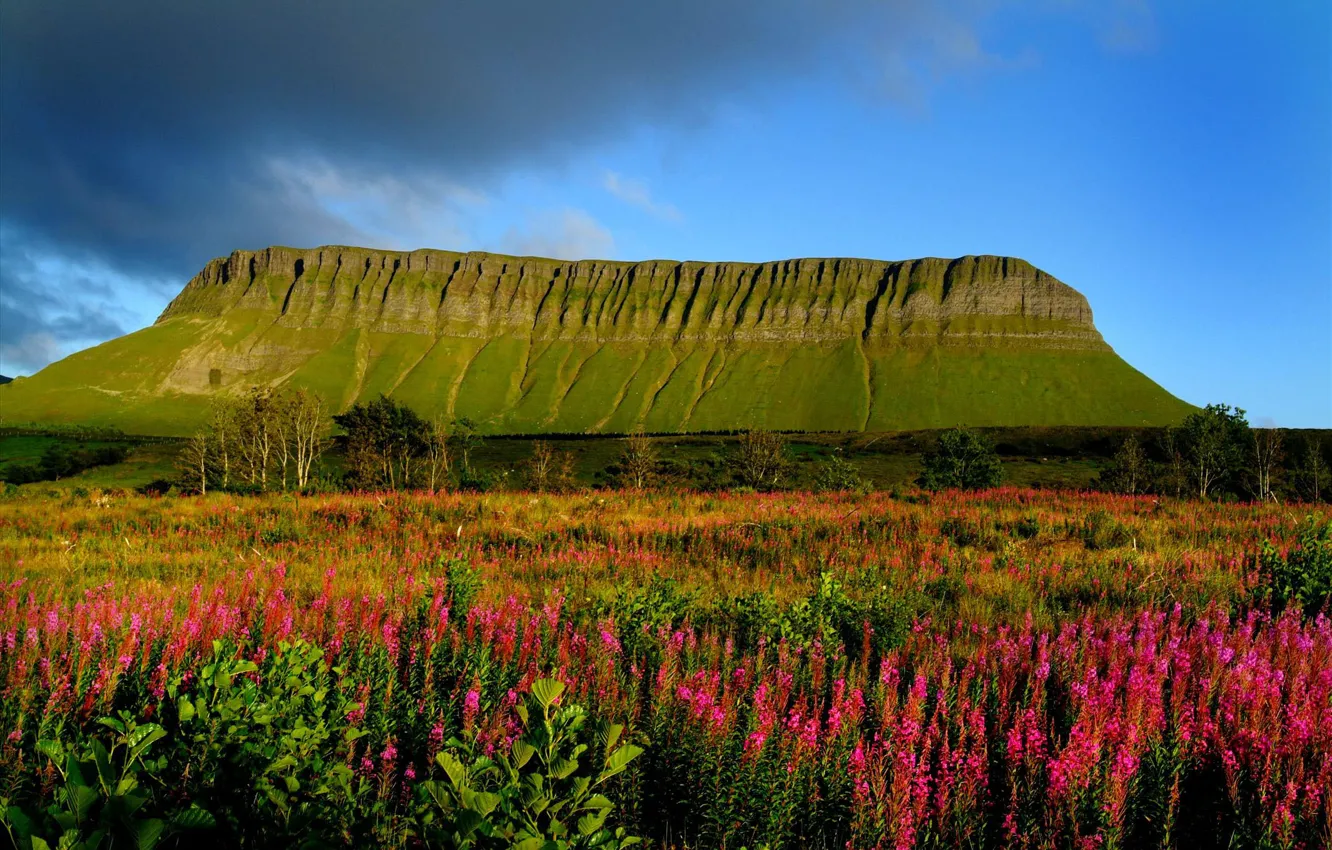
point(525, 344)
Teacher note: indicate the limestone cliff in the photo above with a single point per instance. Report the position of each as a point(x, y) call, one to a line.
point(970, 299)
point(526, 345)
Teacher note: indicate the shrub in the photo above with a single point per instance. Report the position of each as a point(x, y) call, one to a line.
point(840, 475)
point(1102, 531)
point(963, 460)
point(1303, 575)
point(538, 795)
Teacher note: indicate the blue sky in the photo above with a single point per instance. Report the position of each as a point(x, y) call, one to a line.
point(1173, 161)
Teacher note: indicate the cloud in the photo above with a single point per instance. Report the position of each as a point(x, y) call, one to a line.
point(51, 305)
point(568, 234)
point(635, 193)
point(143, 138)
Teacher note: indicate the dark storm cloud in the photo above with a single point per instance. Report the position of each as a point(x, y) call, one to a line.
point(141, 130)
point(141, 138)
point(148, 136)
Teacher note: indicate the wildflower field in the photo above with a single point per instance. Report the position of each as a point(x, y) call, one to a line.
point(1013, 668)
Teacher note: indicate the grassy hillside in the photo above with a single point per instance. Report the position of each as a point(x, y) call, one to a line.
point(511, 385)
point(524, 345)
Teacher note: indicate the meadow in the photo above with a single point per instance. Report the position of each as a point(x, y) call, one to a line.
point(1011, 668)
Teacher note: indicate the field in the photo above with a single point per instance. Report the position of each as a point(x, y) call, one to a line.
point(1010, 668)
point(1049, 458)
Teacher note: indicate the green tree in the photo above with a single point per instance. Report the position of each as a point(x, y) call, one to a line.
point(1312, 476)
point(1127, 472)
point(548, 469)
point(58, 461)
point(387, 444)
point(1213, 443)
point(465, 438)
point(964, 459)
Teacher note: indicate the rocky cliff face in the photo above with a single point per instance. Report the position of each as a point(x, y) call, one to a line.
point(969, 300)
point(530, 345)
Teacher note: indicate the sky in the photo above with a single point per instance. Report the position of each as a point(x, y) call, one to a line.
point(1170, 160)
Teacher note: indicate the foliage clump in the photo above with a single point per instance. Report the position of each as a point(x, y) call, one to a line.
point(963, 460)
point(1302, 575)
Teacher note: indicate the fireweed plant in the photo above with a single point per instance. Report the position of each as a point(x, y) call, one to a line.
point(1005, 669)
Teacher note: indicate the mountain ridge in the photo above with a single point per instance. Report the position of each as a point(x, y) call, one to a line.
point(890, 295)
point(530, 344)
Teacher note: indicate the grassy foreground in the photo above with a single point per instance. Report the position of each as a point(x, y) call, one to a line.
point(1011, 668)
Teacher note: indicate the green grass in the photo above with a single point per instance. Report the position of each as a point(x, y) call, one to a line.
point(596, 357)
point(146, 462)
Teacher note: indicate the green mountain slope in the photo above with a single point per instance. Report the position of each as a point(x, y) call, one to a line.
point(528, 345)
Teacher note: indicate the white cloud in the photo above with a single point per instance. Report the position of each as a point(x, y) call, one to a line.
point(385, 211)
point(567, 234)
point(29, 353)
point(636, 193)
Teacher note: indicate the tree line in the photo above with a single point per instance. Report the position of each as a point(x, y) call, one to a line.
point(274, 440)
point(1215, 452)
point(268, 439)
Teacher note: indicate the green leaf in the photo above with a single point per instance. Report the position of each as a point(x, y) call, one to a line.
point(53, 750)
point(620, 759)
point(589, 824)
point(466, 822)
point(147, 833)
point(144, 737)
point(112, 723)
point(193, 818)
point(563, 767)
point(102, 759)
point(452, 768)
point(485, 802)
point(81, 799)
point(282, 764)
point(40, 844)
point(547, 691)
point(522, 752)
point(185, 709)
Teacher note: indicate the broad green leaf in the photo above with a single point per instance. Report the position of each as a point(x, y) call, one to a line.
point(485, 802)
point(522, 752)
point(40, 844)
point(563, 767)
point(466, 822)
point(147, 833)
point(144, 737)
point(453, 768)
point(193, 818)
point(102, 759)
point(81, 799)
point(185, 709)
point(620, 759)
point(589, 824)
point(547, 691)
point(53, 750)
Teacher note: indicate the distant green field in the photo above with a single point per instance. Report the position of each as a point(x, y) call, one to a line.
point(146, 462)
point(1068, 458)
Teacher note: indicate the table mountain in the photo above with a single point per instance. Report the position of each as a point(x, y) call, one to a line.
point(525, 344)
